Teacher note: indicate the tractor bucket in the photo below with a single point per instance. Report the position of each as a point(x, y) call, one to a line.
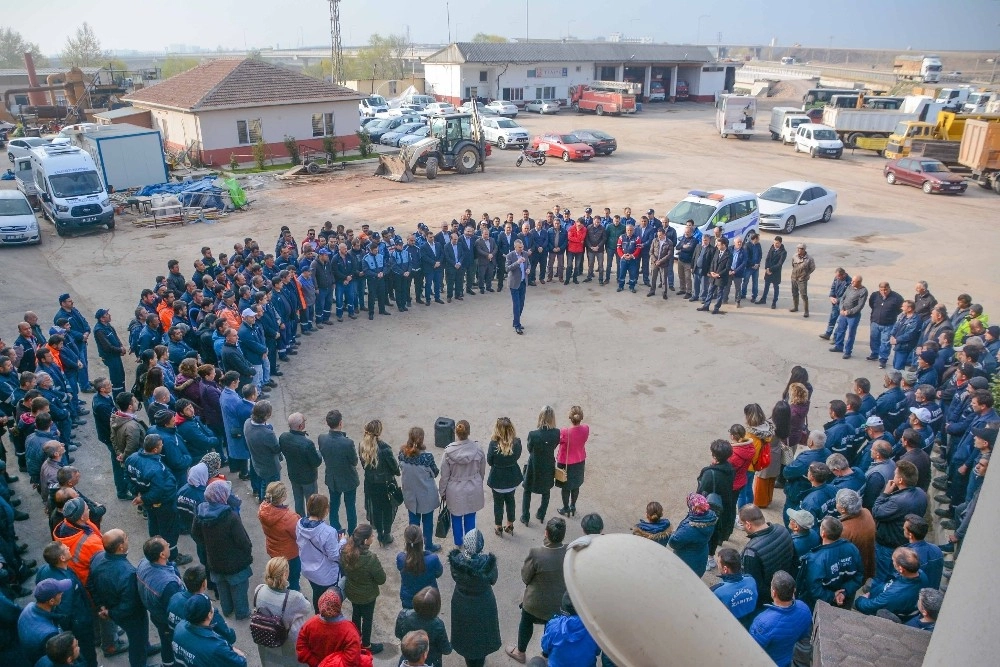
point(394, 168)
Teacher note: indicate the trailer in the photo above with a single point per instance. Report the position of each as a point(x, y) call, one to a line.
point(853, 124)
point(601, 97)
point(127, 156)
point(926, 68)
point(735, 115)
point(980, 153)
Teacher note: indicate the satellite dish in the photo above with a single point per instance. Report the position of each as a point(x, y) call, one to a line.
point(646, 608)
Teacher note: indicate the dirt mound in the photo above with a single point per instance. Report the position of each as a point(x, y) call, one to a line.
point(792, 89)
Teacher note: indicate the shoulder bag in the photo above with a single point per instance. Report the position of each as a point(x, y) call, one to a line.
point(266, 629)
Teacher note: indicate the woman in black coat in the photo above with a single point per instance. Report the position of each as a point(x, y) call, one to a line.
point(475, 624)
point(718, 479)
point(539, 473)
point(505, 474)
point(381, 470)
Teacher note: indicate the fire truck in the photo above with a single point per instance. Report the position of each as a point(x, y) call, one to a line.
point(601, 97)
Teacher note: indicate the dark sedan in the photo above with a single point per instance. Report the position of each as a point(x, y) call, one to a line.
point(602, 142)
point(929, 175)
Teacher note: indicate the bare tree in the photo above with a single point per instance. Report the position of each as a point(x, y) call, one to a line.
point(84, 48)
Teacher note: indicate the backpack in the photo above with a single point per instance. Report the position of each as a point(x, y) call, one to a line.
point(763, 457)
point(266, 629)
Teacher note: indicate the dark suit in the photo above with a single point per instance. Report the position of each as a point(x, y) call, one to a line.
point(517, 276)
point(454, 268)
point(722, 263)
point(341, 460)
point(468, 244)
point(702, 264)
point(773, 263)
point(486, 261)
point(646, 236)
point(430, 254)
point(660, 256)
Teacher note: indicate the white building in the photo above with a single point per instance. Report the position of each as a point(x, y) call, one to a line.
point(223, 107)
point(546, 70)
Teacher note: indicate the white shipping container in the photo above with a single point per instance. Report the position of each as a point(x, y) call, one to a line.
point(127, 156)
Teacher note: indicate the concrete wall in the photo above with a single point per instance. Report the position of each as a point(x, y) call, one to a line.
point(215, 134)
point(383, 87)
point(704, 85)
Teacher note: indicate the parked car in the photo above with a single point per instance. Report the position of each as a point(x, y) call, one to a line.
point(483, 109)
point(790, 204)
point(602, 142)
point(18, 224)
point(436, 108)
point(392, 138)
point(542, 106)
point(567, 146)
point(417, 102)
point(414, 137)
point(504, 132)
point(502, 108)
point(929, 175)
point(818, 141)
point(21, 147)
point(368, 119)
point(371, 105)
point(382, 125)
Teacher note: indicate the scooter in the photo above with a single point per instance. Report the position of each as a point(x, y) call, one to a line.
point(538, 157)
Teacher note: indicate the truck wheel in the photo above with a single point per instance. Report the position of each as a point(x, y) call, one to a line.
point(111, 225)
point(59, 230)
point(466, 161)
point(600, 110)
point(852, 140)
point(774, 136)
point(431, 168)
point(996, 185)
point(312, 168)
point(812, 152)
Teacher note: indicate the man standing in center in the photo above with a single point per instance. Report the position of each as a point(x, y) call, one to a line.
point(597, 236)
point(850, 303)
point(517, 279)
point(661, 256)
point(265, 453)
point(341, 459)
point(722, 262)
point(302, 460)
point(802, 267)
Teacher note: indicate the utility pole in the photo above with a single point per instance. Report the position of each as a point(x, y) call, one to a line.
point(336, 44)
point(526, 38)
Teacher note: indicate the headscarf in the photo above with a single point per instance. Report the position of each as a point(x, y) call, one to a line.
point(473, 543)
point(213, 462)
point(198, 475)
point(697, 503)
point(218, 492)
point(329, 603)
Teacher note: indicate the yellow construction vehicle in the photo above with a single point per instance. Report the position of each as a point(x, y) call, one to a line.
point(938, 140)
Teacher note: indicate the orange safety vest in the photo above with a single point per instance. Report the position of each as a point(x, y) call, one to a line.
point(83, 545)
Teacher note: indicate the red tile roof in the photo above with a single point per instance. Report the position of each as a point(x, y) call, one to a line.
point(233, 83)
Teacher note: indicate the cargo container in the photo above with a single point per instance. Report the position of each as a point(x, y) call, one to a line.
point(127, 156)
point(980, 152)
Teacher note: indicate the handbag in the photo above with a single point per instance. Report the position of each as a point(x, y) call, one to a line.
point(395, 493)
point(562, 474)
point(443, 523)
point(266, 629)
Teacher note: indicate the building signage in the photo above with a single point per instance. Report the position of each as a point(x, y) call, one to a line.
point(548, 72)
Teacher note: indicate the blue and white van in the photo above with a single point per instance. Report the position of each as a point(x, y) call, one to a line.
point(736, 211)
point(70, 191)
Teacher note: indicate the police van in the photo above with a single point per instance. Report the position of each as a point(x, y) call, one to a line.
point(735, 211)
point(70, 190)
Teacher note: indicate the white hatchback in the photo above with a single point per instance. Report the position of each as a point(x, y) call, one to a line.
point(818, 140)
point(790, 204)
point(18, 224)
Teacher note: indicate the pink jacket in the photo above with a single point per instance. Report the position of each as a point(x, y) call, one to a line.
point(572, 444)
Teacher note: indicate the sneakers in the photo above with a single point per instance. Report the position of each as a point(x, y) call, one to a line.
point(182, 559)
point(711, 563)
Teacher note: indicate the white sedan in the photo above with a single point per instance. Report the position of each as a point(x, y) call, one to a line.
point(542, 106)
point(790, 204)
point(437, 108)
point(504, 132)
point(501, 108)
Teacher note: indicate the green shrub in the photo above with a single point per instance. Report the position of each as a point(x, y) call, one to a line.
point(292, 146)
point(330, 148)
point(234, 164)
point(259, 153)
point(366, 145)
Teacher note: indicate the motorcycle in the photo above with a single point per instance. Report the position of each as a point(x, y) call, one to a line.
point(538, 157)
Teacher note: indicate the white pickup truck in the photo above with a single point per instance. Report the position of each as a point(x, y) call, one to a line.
point(26, 180)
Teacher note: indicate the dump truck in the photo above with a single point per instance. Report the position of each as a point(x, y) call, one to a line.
point(601, 97)
point(947, 132)
point(852, 124)
point(980, 153)
point(926, 68)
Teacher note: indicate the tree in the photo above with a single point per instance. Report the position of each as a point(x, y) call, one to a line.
point(254, 54)
point(319, 70)
point(383, 58)
point(484, 38)
point(12, 49)
point(174, 65)
point(84, 48)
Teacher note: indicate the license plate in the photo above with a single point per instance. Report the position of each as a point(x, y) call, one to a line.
point(12, 237)
point(831, 151)
point(92, 218)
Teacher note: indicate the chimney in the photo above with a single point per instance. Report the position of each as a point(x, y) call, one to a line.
point(36, 98)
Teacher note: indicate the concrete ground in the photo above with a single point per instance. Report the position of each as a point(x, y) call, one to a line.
point(657, 380)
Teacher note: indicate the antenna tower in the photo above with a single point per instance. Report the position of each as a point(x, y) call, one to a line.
point(336, 44)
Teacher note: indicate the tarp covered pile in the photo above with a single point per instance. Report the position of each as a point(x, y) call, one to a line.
point(207, 192)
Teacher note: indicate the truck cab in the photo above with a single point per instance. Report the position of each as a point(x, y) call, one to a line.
point(784, 122)
point(70, 190)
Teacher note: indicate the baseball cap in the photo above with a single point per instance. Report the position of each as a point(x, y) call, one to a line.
point(801, 246)
point(101, 312)
point(326, 252)
point(874, 421)
point(923, 414)
point(46, 589)
point(802, 517)
point(249, 312)
point(197, 608)
point(994, 331)
point(979, 382)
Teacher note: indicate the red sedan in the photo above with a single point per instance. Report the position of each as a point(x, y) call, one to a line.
point(567, 146)
point(929, 175)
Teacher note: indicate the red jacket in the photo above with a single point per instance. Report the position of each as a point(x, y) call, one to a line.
point(576, 235)
point(320, 638)
point(743, 453)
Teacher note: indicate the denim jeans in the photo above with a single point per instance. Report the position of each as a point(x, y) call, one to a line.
point(846, 325)
point(346, 295)
point(432, 284)
point(879, 341)
point(701, 283)
point(832, 320)
point(233, 592)
point(900, 358)
point(324, 304)
point(301, 493)
point(426, 521)
point(628, 268)
point(749, 279)
point(746, 493)
point(350, 507)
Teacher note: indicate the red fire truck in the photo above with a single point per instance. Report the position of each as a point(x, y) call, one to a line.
point(601, 97)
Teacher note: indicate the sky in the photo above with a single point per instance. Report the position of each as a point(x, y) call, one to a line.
point(236, 24)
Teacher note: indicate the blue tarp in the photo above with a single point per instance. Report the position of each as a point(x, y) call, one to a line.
point(201, 192)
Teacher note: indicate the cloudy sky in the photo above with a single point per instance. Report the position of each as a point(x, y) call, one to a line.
point(890, 24)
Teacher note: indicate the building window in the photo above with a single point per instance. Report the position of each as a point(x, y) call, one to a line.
point(483, 76)
point(608, 73)
point(545, 93)
point(322, 124)
point(248, 131)
point(513, 94)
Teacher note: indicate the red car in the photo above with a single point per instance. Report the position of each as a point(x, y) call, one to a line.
point(567, 146)
point(929, 175)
